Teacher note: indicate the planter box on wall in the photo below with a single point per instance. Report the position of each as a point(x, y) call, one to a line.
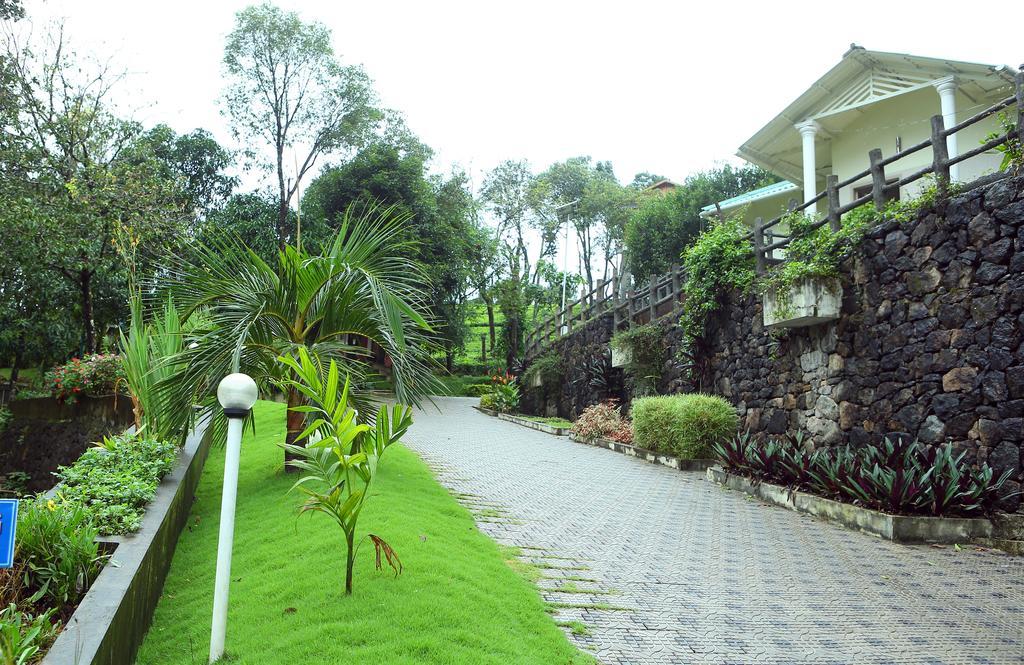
point(621, 357)
point(647, 455)
point(536, 380)
point(114, 615)
point(811, 301)
point(897, 528)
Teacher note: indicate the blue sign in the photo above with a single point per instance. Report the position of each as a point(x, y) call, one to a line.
point(8, 523)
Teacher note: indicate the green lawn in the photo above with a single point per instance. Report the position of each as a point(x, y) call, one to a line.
point(458, 600)
point(456, 385)
point(553, 422)
point(25, 374)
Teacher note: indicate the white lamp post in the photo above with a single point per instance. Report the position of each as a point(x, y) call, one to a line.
point(236, 393)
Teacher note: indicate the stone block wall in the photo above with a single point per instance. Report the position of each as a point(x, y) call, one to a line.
point(929, 344)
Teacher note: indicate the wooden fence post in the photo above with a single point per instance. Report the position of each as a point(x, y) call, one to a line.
point(616, 314)
point(652, 290)
point(877, 178)
point(630, 302)
point(675, 285)
point(940, 155)
point(831, 186)
point(759, 261)
point(1020, 106)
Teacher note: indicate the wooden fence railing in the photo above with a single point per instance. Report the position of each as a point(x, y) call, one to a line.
point(663, 293)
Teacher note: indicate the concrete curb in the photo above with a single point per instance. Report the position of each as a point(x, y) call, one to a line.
point(897, 528)
point(113, 617)
point(648, 455)
point(540, 427)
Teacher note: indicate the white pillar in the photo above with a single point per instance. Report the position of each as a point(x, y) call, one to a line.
point(946, 88)
point(226, 538)
point(808, 130)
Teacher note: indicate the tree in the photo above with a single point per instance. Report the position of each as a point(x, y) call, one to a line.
point(362, 286)
point(252, 218)
point(198, 164)
point(287, 88)
point(11, 10)
point(79, 190)
point(645, 179)
point(664, 224)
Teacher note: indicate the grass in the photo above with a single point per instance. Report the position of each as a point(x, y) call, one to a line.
point(25, 374)
point(456, 385)
point(554, 422)
point(461, 598)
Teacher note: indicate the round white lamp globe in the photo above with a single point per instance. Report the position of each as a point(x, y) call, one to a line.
point(237, 392)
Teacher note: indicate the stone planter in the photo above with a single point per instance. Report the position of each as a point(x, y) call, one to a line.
point(109, 624)
point(810, 302)
point(897, 528)
point(621, 357)
point(648, 455)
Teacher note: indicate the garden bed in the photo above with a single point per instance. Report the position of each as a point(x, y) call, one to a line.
point(112, 617)
point(526, 422)
point(648, 455)
point(897, 528)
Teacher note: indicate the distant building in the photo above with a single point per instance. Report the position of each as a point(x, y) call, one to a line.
point(661, 187)
point(870, 99)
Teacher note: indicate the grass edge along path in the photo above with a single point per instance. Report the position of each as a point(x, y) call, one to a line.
point(456, 602)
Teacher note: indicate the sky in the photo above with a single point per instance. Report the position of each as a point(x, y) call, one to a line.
point(665, 87)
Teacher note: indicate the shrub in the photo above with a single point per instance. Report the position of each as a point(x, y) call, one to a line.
point(96, 374)
point(476, 389)
point(116, 480)
point(896, 477)
point(57, 544)
point(549, 367)
point(598, 420)
point(487, 401)
point(23, 635)
point(648, 352)
point(686, 426)
point(506, 397)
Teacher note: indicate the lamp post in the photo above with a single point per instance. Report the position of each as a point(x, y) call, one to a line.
point(236, 394)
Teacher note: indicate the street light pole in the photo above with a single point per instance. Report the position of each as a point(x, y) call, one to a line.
point(236, 394)
point(565, 257)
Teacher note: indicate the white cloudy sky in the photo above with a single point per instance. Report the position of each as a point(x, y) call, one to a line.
point(667, 87)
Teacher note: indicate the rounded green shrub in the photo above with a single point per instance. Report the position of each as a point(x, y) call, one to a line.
point(487, 401)
point(476, 389)
point(686, 426)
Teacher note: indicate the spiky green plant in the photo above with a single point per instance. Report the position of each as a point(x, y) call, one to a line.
point(150, 354)
point(339, 459)
point(363, 285)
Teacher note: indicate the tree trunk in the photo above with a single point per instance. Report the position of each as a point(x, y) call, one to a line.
point(296, 422)
point(16, 366)
point(449, 359)
point(88, 325)
point(489, 303)
point(350, 561)
point(282, 221)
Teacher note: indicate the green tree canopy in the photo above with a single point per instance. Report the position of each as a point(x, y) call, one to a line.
point(663, 224)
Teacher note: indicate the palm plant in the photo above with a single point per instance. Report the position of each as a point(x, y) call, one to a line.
point(362, 285)
point(339, 459)
point(149, 356)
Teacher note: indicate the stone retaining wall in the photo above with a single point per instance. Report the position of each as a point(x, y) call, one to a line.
point(928, 344)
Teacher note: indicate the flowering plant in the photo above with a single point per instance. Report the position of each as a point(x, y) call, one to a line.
point(96, 374)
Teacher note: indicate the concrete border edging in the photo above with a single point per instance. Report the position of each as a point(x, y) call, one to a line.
point(550, 429)
point(110, 623)
point(897, 528)
point(648, 455)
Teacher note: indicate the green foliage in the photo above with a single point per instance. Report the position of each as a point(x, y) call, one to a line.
point(95, 374)
point(648, 351)
point(57, 544)
point(720, 260)
point(897, 477)
point(24, 635)
point(5, 417)
point(252, 218)
point(488, 401)
point(505, 392)
point(361, 286)
point(116, 480)
point(340, 462)
point(476, 389)
point(664, 223)
point(1013, 149)
point(549, 367)
point(149, 353)
point(687, 426)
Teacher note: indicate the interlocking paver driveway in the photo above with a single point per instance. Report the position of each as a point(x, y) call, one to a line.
point(708, 576)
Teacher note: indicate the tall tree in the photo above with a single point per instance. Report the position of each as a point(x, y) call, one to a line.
point(286, 88)
point(663, 224)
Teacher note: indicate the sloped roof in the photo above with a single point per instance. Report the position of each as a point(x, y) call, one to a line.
point(774, 189)
point(861, 78)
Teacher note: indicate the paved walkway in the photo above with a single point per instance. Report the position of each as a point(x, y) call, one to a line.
point(706, 575)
